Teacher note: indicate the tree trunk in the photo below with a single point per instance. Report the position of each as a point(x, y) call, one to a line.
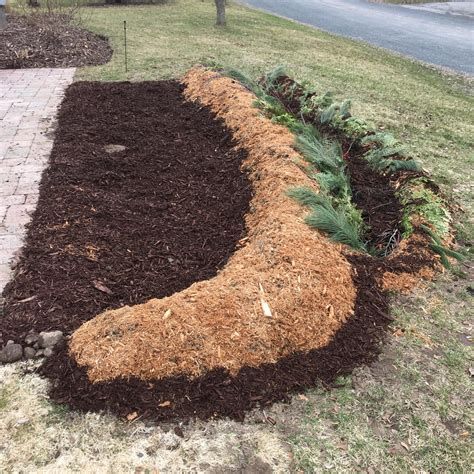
point(220, 6)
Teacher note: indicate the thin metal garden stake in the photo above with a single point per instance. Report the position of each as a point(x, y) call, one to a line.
point(125, 42)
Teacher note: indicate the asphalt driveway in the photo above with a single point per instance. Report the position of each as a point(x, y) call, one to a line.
point(442, 39)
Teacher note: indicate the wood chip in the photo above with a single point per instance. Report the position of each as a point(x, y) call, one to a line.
point(98, 285)
point(266, 308)
point(31, 298)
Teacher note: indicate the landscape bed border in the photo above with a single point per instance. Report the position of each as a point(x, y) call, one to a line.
point(221, 393)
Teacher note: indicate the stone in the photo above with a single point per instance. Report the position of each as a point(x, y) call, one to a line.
point(39, 353)
point(11, 353)
point(50, 339)
point(48, 352)
point(29, 353)
point(31, 339)
point(114, 148)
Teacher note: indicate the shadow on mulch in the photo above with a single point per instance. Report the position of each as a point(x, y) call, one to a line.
point(143, 197)
point(49, 40)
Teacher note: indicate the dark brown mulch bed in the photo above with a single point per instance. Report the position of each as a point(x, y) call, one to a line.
point(49, 40)
point(154, 215)
point(118, 228)
point(374, 195)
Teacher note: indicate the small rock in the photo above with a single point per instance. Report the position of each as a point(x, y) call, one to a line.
point(31, 339)
point(29, 353)
point(11, 353)
point(22, 421)
point(39, 353)
point(114, 148)
point(10, 342)
point(48, 352)
point(50, 339)
point(36, 345)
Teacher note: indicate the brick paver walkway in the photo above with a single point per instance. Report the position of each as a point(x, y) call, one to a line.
point(29, 99)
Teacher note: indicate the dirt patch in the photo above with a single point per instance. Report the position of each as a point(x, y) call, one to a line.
point(143, 196)
point(49, 40)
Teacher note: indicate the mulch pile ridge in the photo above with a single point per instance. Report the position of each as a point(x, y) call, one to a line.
point(273, 298)
point(143, 196)
point(49, 40)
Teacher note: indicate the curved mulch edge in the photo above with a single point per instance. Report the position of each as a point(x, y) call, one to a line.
point(219, 393)
point(274, 297)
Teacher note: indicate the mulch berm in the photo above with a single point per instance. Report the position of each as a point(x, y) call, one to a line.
point(164, 226)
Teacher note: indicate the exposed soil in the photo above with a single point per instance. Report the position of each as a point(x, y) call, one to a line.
point(143, 196)
point(49, 40)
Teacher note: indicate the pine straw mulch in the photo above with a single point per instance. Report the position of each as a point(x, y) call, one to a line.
point(49, 40)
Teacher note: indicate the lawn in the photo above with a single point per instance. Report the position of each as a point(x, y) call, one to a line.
point(429, 110)
point(411, 411)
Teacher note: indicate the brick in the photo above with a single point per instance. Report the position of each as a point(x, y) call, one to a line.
point(29, 99)
point(13, 199)
point(18, 215)
point(10, 241)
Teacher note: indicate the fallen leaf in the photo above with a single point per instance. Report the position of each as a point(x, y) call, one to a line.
point(405, 446)
point(398, 332)
point(303, 397)
point(98, 285)
point(167, 314)
point(165, 404)
point(132, 416)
